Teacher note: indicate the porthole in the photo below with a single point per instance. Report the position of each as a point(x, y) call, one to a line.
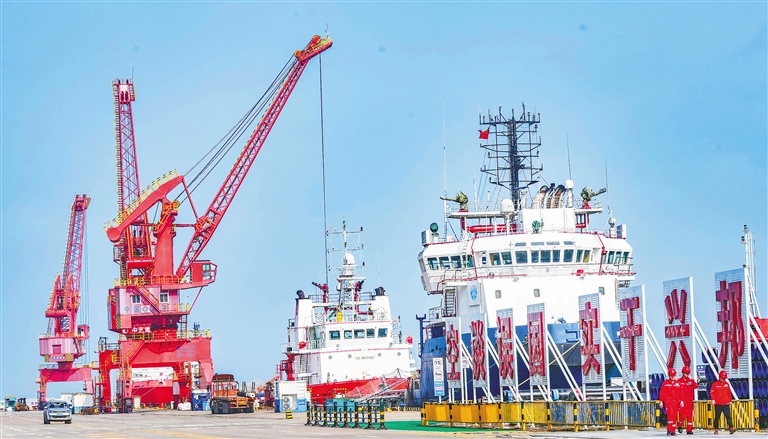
point(349, 355)
point(379, 354)
point(330, 357)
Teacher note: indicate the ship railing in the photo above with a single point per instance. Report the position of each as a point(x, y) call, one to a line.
point(316, 344)
point(365, 296)
point(469, 274)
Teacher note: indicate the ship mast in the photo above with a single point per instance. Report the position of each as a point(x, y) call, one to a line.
point(513, 145)
point(749, 247)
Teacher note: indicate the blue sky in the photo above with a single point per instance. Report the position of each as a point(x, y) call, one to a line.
point(669, 96)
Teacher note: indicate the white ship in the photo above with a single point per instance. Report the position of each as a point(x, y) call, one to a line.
point(527, 243)
point(344, 341)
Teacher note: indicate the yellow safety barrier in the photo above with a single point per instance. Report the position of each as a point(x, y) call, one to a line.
point(577, 414)
point(489, 414)
point(511, 413)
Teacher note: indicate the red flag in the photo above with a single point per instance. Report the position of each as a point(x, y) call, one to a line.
point(484, 134)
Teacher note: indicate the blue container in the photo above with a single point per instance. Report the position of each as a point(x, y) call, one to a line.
point(201, 400)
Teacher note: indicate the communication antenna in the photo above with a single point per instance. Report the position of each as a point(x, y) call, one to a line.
point(749, 247)
point(568, 150)
point(445, 182)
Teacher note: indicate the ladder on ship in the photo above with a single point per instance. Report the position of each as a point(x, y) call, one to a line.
point(302, 364)
point(449, 302)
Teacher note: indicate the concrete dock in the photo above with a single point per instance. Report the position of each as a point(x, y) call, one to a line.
point(151, 424)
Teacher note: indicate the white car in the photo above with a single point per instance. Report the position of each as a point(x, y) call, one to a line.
point(57, 411)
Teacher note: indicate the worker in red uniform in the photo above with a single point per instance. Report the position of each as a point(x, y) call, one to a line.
point(721, 397)
point(688, 388)
point(669, 399)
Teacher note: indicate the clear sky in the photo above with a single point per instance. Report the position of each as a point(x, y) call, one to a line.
point(670, 97)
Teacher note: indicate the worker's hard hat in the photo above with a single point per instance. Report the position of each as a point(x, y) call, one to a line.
point(723, 375)
point(671, 372)
point(686, 369)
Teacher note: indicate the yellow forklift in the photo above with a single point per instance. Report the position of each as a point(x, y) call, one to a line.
point(21, 405)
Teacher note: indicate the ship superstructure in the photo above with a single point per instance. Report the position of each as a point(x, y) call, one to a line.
point(344, 340)
point(529, 242)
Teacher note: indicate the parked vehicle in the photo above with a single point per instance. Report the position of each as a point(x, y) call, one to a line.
point(57, 411)
point(21, 405)
point(227, 398)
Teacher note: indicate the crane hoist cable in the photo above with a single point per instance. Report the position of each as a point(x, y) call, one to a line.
point(232, 137)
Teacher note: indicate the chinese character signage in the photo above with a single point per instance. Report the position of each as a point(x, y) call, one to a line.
point(632, 314)
point(479, 354)
point(439, 376)
point(505, 345)
point(537, 345)
point(591, 339)
point(678, 332)
point(453, 355)
point(731, 307)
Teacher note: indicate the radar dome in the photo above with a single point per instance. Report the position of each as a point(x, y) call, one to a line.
point(569, 184)
point(349, 259)
point(507, 206)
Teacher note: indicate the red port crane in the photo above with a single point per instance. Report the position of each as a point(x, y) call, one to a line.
point(145, 306)
point(64, 342)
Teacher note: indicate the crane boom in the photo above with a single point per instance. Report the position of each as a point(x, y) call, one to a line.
point(136, 240)
point(206, 224)
point(127, 169)
point(65, 299)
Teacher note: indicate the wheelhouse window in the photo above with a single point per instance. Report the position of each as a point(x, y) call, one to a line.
point(469, 262)
point(556, 256)
point(579, 255)
point(610, 257)
point(433, 263)
point(163, 297)
point(370, 333)
point(359, 333)
point(534, 256)
point(335, 335)
point(568, 255)
point(521, 256)
point(347, 334)
point(495, 259)
point(506, 258)
point(382, 332)
point(135, 299)
point(586, 256)
point(546, 256)
point(445, 262)
point(456, 261)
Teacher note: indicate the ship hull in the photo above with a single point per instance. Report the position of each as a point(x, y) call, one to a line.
point(357, 388)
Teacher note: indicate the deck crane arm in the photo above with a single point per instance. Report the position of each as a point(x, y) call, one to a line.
point(206, 224)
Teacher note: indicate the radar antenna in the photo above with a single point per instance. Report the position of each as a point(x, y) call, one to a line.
point(512, 150)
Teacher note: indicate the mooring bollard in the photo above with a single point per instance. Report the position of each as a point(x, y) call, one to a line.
point(309, 416)
point(357, 416)
point(344, 415)
point(288, 414)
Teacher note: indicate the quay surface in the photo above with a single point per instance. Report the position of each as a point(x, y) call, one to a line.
point(151, 424)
